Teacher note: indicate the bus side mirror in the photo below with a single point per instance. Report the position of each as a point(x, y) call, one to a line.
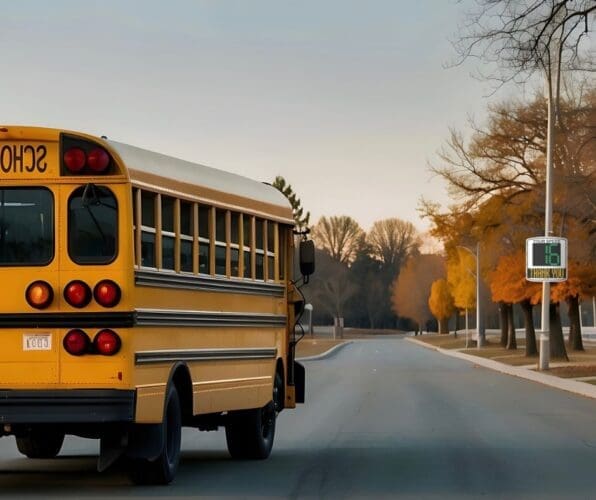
point(307, 257)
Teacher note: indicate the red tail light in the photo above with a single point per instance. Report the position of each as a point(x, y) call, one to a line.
point(107, 293)
point(39, 294)
point(98, 160)
point(77, 293)
point(76, 342)
point(107, 342)
point(75, 160)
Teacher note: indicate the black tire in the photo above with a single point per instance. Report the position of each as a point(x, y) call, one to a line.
point(40, 442)
point(250, 433)
point(163, 469)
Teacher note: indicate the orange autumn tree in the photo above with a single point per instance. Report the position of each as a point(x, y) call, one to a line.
point(501, 167)
point(508, 285)
point(441, 303)
point(581, 283)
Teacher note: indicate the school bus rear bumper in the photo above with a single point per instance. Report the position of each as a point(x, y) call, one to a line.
point(66, 406)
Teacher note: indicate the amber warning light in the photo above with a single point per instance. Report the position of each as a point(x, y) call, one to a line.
point(39, 294)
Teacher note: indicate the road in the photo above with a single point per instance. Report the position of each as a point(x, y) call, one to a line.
point(384, 419)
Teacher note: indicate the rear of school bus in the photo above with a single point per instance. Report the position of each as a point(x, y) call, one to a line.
point(66, 271)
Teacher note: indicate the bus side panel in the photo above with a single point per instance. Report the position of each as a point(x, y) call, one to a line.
point(218, 384)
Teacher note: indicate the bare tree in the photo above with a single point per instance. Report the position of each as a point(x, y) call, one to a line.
point(520, 37)
point(332, 286)
point(340, 236)
point(506, 157)
point(392, 241)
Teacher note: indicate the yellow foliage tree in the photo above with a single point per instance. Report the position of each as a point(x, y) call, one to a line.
point(461, 277)
point(441, 303)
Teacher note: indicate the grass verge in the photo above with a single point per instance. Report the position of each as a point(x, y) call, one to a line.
point(580, 364)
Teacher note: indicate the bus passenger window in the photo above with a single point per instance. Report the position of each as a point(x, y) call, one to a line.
point(168, 236)
point(220, 242)
point(247, 231)
point(204, 248)
point(186, 236)
point(148, 232)
point(260, 266)
point(234, 244)
point(282, 252)
point(271, 228)
point(260, 251)
point(92, 225)
point(147, 249)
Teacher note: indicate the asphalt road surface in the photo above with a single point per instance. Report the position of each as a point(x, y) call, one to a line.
point(384, 419)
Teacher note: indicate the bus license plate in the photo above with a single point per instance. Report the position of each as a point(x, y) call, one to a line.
point(37, 342)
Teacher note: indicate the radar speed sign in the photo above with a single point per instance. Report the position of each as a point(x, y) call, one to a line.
point(546, 259)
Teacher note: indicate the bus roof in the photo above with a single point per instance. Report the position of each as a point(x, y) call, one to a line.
point(147, 167)
point(150, 162)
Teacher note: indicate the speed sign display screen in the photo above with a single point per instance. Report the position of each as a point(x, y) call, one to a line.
point(546, 259)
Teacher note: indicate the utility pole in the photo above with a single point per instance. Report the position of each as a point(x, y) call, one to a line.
point(552, 91)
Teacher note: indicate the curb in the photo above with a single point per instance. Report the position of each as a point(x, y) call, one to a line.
point(326, 354)
point(581, 388)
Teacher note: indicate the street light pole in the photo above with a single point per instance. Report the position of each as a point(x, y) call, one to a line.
point(480, 332)
point(481, 341)
point(552, 91)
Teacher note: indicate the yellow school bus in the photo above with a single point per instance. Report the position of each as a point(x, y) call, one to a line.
point(141, 293)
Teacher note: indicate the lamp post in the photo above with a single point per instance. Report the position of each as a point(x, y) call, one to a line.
point(479, 331)
point(309, 308)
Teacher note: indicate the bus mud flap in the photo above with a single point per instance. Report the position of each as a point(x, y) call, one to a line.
point(299, 382)
point(111, 448)
point(145, 441)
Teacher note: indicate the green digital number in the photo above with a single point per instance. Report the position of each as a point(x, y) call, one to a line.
point(552, 254)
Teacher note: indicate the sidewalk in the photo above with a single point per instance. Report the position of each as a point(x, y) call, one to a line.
point(575, 386)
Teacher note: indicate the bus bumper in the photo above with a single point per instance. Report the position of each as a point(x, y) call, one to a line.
point(66, 406)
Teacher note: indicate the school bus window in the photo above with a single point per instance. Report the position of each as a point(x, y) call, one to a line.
point(168, 236)
point(234, 244)
point(186, 236)
point(92, 225)
point(148, 232)
point(135, 224)
point(247, 237)
point(204, 248)
point(220, 241)
point(271, 228)
point(282, 231)
point(26, 226)
point(148, 209)
point(260, 251)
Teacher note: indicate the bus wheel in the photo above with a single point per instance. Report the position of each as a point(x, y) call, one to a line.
point(162, 469)
point(250, 433)
point(40, 442)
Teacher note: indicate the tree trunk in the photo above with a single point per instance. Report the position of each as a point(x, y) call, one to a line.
point(456, 323)
point(557, 344)
point(531, 349)
point(511, 339)
point(503, 321)
point(575, 328)
point(444, 325)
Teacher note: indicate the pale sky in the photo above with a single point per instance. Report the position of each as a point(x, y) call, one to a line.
point(348, 100)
